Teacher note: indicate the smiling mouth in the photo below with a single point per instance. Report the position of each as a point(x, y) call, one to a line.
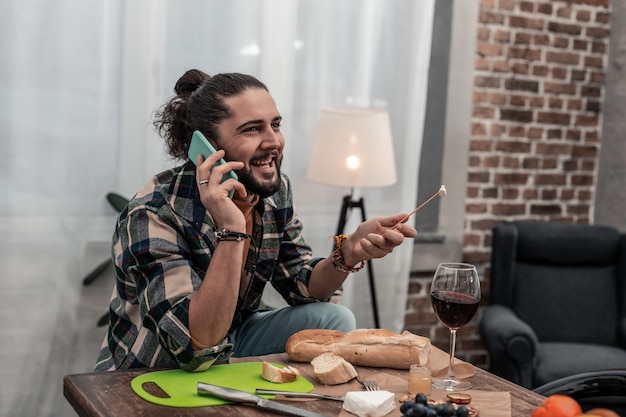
point(263, 163)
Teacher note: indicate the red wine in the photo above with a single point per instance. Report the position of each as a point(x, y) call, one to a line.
point(454, 309)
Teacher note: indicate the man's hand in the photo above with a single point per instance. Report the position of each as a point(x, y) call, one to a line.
point(375, 238)
point(214, 193)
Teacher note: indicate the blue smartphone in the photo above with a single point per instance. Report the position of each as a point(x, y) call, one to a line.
point(201, 146)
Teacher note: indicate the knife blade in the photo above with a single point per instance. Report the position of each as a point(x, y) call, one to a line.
point(247, 398)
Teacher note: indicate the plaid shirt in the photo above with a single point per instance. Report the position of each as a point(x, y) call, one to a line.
point(162, 247)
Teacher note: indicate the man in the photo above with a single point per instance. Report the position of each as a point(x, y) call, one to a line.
point(191, 263)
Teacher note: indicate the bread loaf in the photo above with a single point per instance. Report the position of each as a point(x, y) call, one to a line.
point(363, 347)
point(332, 369)
point(273, 373)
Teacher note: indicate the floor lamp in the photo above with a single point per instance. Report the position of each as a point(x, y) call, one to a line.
point(354, 149)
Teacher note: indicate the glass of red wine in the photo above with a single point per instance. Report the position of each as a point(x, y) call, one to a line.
point(455, 295)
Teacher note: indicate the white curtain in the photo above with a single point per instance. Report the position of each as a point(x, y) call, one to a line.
point(79, 81)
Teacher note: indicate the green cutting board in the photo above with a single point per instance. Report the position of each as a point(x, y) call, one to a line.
point(181, 386)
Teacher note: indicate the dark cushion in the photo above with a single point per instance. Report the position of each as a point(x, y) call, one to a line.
point(566, 244)
point(567, 304)
point(558, 360)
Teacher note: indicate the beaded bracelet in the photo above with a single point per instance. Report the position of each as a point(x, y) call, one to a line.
point(337, 257)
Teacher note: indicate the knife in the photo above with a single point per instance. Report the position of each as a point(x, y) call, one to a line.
point(247, 398)
point(299, 394)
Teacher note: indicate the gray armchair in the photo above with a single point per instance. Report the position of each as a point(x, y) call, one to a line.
point(558, 301)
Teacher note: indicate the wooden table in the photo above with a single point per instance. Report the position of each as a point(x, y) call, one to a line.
point(110, 394)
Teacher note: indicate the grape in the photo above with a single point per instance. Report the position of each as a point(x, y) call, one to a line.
point(462, 411)
point(421, 398)
point(406, 406)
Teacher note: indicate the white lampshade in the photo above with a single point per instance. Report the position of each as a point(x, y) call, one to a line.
point(353, 148)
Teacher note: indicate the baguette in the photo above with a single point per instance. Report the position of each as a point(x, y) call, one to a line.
point(378, 348)
point(332, 369)
point(273, 373)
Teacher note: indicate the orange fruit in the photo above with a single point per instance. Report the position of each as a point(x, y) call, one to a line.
point(603, 412)
point(558, 405)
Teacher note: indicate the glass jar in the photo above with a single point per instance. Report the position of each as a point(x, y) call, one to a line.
point(420, 379)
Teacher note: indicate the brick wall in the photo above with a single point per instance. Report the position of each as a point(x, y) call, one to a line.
point(534, 136)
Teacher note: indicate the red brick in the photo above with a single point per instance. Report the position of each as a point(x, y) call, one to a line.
point(482, 177)
point(585, 151)
point(560, 88)
point(524, 53)
point(490, 18)
point(554, 134)
point(557, 27)
point(555, 103)
point(563, 58)
point(535, 133)
point(545, 209)
point(553, 118)
point(523, 38)
point(541, 39)
point(590, 91)
point(544, 8)
point(578, 75)
point(519, 68)
point(510, 193)
point(502, 35)
point(550, 179)
point(480, 145)
point(597, 77)
point(582, 179)
point(491, 192)
point(552, 149)
point(513, 146)
point(597, 32)
point(487, 82)
point(517, 101)
point(483, 112)
point(573, 134)
point(559, 73)
point(489, 49)
point(491, 161)
point(574, 104)
point(598, 48)
point(540, 70)
point(587, 120)
point(522, 85)
point(526, 22)
point(476, 208)
point(565, 12)
point(549, 194)
point(527, 6)
point(519, 178)
point(481, 64)
point(503, 209)
point(523, 116)
point(594, 61)
point(583, 15)
point(497, 98)
point(549, 163)
point(483, 34)
point(580, 44)
point(560, 42)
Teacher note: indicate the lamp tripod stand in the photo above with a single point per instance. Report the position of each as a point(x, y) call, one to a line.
point(347, 205)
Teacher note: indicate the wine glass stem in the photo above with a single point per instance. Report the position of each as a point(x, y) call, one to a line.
point(451, 374)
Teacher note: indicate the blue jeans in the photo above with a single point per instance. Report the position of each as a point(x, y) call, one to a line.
point(266, 332)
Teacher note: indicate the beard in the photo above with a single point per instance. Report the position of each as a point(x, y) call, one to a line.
point(262, 188)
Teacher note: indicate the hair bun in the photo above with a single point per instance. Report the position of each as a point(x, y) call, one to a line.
point(190, 81)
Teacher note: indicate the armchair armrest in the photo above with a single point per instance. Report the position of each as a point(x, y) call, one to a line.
point(511, 343)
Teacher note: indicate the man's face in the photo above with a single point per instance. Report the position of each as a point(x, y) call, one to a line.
point(252, 135)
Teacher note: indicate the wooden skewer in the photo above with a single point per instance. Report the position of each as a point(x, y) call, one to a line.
point(440, 193)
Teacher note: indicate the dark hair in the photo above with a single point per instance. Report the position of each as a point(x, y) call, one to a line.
point(198, 105)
